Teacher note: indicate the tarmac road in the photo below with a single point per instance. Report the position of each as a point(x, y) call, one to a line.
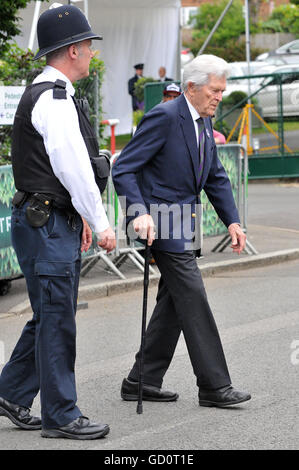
point(268, 140)
point(257, 312)
point(273, 224)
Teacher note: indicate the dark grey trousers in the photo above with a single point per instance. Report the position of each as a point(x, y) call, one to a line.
point(182, 305)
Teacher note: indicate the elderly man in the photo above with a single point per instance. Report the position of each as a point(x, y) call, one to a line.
point(53, 143)
point(170, 159)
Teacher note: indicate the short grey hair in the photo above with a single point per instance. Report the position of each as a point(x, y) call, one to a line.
point(198, 71)
point(56, 55)
point(60, 53)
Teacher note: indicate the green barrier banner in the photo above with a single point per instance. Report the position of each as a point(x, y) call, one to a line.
point(229, 157)
point(9, 266)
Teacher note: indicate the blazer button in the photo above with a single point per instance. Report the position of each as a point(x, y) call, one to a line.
point(193, 215)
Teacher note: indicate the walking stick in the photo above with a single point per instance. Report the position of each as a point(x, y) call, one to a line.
point(143, 327)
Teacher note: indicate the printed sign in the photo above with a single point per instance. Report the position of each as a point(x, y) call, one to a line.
point(9, 100)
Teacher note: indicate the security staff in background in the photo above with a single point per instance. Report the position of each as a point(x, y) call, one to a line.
point(162, 75)
point(138, 74)
point(57, 194)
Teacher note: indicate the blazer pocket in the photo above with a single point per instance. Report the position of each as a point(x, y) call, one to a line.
point(165, 193)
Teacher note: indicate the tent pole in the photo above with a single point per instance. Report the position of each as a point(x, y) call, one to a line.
point(34, 23)
point(214, 28)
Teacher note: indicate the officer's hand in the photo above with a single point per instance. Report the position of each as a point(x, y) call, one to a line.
point(145, 227)
point(86, 239)
point(107, 240)
point(238, 238)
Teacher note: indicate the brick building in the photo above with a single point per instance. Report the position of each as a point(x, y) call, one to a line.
point(266, 6)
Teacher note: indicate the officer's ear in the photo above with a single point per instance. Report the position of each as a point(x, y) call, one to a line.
point(73, 51)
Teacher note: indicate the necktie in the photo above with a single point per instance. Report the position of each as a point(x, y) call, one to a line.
point(201, 142)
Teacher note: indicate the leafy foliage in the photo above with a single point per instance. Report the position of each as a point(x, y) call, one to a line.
point(231, 26)
point(17, 67)
point(288, 17)
point(225, 41)
point(9, 21)
point(139, 87)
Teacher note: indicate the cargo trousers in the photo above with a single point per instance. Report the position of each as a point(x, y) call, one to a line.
point(43, 359)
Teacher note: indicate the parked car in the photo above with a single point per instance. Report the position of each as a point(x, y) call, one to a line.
point(267, 97)
point(287, 54)
point(240, 69)
point(186, 56)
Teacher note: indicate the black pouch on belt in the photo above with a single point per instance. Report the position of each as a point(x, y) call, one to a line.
point(39, 209)
point(19, 198)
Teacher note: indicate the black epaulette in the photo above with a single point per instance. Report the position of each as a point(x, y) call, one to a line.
point(59, 90)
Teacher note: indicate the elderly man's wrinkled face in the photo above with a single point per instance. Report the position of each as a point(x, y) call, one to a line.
point(206, 98)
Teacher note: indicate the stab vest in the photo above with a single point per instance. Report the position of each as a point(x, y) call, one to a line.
point(30, 162)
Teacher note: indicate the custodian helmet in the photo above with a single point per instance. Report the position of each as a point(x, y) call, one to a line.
point(61, 26)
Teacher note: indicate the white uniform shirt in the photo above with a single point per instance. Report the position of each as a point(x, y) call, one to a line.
point(57, 122)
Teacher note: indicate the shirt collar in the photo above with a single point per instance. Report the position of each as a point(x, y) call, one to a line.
point(52, 74)
point(192, 110)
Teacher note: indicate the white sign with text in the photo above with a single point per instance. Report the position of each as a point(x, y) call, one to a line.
point(9, 100)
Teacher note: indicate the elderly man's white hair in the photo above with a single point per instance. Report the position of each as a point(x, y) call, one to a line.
point(199, 70)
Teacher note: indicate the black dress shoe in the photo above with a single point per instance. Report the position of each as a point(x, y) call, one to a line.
point(222, 397)
point(129, 392)
point(80, 428)
point(19, 415)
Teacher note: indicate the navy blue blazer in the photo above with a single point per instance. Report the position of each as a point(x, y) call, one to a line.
point(160, 166)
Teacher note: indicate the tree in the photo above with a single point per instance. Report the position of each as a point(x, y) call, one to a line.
point(254, 10)
point(9, 20)
point(288, 17)
point(225, 41)
point(231, 26)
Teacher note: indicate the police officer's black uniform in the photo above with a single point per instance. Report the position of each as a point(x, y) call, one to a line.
point(131, 88)
point(46, 235)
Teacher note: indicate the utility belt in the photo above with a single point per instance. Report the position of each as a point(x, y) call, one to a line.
point(39, 208)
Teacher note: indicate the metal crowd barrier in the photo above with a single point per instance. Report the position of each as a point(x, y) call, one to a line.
point(241, 198)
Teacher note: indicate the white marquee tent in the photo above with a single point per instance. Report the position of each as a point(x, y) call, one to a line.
point(133, 31)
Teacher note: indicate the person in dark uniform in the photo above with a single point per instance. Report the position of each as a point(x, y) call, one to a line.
point(138, 74)
point(57, 204)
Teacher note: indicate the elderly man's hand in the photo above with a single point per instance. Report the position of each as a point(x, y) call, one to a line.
point(238, 238)
point(145, 227)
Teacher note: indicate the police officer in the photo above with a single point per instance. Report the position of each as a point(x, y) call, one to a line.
point(56, 203)
point(138, 74)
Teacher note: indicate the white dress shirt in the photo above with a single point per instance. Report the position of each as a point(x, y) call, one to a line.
point(56, 120)
point(195, 116)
